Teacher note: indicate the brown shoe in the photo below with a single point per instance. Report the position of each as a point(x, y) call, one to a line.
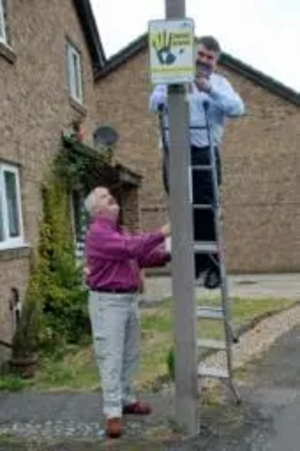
point(114, 427)
point(137, 408)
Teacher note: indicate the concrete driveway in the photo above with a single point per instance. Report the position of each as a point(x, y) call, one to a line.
point(245, 286)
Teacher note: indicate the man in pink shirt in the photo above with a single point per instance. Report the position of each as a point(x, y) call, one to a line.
point(114, 260)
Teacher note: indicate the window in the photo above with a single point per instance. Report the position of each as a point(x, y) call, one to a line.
point(74, 72)
point(11, 227)
point(3, 37)
point(79, 221)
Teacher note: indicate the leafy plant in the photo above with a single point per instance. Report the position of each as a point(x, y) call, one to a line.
point(56, 295)
point(26, 338)
point(64, 297)
point(13, 383)
point(79, 165)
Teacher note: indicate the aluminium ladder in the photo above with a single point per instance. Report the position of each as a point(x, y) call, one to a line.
point(222, 312)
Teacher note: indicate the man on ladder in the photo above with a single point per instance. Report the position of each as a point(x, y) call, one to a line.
point(212, 100)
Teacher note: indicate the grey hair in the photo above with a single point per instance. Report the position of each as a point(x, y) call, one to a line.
point(210, 43)
point(90, 203)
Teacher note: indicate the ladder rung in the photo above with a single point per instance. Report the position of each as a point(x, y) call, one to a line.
point(211, 344)
point(192, 127)
point(204, 206)
point(206, 167)
point(217, 373)
point(210, 313)
point(206, 247)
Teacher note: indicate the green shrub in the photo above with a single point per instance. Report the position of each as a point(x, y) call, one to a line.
point(61, 293)
point(26, 338)
point(63, 296)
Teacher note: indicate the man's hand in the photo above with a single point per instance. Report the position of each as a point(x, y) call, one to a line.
point(86, 271)
point(203, 84)
point(166, 229)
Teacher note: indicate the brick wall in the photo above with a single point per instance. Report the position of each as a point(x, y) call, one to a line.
point(261, 160)
point(131, 209)
point(262, 183)
point(122, 100)
point(35, 108)
point(13, 274)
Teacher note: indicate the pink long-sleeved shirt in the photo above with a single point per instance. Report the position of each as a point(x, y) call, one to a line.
point(115, 258)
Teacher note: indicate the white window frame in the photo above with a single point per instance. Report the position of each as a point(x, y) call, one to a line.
point(10, 242)
point(3, 34)
point(77, 243)
point(74, 72)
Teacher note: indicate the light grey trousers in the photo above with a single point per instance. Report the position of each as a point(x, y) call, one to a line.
point(116, 335)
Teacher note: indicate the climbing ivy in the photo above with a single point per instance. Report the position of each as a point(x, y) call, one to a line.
point(58, 278)
point(62, 292)
point(26, 338)
point(79, 166)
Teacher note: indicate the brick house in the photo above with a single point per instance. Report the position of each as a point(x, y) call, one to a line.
point(261, 158)
point(46, 82)
point(50, 79)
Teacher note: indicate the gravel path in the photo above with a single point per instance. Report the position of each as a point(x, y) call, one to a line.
point(49, 416)
point(259, 339)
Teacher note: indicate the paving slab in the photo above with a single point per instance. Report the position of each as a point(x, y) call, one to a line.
point(255, 286)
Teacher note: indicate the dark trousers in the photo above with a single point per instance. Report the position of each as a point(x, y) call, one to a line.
point(203, 193)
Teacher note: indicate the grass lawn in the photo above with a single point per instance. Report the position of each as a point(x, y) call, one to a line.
point(73, 368)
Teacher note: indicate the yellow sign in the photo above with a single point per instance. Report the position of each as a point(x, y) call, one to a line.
point(171, 49)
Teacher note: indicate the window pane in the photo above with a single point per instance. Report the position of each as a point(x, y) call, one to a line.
point(1, 220)
point(67, 57)
point(79, 221)
point(69, 63)
point(2, 22)
point(77, 214)
point(12, 204)
point(74, 71)
point(77, 80)
point(72, 77)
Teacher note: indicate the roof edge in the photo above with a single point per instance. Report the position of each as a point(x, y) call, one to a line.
point(227, 61)
point(89, 26)
point(121, 57)
point(260, 78)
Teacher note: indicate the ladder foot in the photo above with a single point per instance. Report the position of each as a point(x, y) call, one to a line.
point(235, 339)
point(236, 394)
point(233, 336)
